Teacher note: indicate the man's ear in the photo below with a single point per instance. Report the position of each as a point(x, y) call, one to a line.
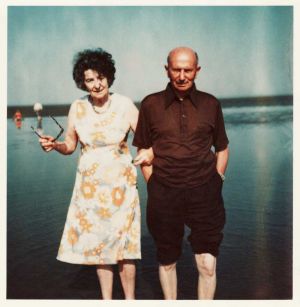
point(167, 70)
point(197, 70)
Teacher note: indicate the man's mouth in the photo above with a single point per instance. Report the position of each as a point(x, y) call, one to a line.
point(181, 82)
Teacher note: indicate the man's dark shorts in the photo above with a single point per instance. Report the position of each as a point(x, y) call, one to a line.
point(201, 208)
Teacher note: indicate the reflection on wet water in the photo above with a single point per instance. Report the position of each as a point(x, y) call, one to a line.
point(258, 115)
point(255, 260)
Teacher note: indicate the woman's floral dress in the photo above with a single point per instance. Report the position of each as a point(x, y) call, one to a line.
point(103, 221)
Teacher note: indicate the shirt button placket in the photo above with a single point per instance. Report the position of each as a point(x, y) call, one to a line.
point(183, 118)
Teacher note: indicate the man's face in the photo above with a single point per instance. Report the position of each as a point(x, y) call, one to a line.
point(182, 70)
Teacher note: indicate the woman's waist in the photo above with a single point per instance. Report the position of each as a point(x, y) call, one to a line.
point(106, 154)
point(121, 148)
point(113, 163)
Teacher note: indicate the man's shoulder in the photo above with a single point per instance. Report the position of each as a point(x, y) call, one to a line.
point(207, 98)
point(153, 98)
point(206, 95)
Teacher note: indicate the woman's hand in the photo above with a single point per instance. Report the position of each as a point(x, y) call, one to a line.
point(144, 157)
point(46, 142)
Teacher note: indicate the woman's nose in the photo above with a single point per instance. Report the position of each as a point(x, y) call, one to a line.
point(97, 84)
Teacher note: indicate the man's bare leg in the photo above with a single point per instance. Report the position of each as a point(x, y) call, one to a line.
point(168, 280)
point(206, 265)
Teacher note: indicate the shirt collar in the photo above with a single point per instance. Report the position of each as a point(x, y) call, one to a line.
point(171, 95)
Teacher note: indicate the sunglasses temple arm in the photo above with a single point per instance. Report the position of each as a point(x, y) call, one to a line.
point(60, 133)
point(36, 132)
point(61, 128)
point(56, 122)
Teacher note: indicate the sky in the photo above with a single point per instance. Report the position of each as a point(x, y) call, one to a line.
point(244, 51)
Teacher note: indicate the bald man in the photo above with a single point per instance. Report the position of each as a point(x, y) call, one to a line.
point(185, 180)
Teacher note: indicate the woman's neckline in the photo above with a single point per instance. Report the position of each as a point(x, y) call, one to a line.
point(101, 110)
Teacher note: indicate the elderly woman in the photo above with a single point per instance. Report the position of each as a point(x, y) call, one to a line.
point(103, 222)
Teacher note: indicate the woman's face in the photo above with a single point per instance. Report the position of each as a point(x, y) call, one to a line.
point(97, 85)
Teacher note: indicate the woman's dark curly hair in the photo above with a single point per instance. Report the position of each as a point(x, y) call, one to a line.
point(95, 59)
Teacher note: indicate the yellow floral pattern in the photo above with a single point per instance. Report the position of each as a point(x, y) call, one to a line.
point(88, 189)
point(90, 171)
point(132, 247)
point(130, 176)
point(72, 236)
point(81, 110)
point(103, 197)
point(98, 137)
point(104, 213)
point(118, 196)
point(103, 221)
point(95, 251)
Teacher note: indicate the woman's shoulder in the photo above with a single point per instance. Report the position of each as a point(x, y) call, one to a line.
point(121, 99)
point(79, 107)
point(82, 100)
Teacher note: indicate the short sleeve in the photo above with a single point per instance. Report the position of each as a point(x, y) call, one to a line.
point(142, 136)
point(131, 113)
point(220, 139)
point(72, 114)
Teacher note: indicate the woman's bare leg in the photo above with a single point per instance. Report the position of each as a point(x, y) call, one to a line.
point(105, 276)
point(127, 276)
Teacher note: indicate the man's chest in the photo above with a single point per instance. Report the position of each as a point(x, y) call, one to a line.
point(182, 119)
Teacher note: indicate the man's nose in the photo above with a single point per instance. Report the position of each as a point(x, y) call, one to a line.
point(181, 75)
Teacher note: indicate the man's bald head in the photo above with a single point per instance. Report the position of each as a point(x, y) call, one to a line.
point(183, 50)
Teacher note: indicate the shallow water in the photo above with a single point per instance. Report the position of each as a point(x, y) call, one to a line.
point(255, 259)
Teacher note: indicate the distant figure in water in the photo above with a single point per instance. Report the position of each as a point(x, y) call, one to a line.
point(38, 109)
point(18, 119)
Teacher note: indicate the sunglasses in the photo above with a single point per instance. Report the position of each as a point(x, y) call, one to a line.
point(57, 123)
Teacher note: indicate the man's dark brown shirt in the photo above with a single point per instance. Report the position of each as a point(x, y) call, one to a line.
point(182, 134)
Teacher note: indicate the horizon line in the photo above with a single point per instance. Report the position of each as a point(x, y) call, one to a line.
point(224, 99)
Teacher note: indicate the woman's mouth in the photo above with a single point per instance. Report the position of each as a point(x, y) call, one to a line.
point(97, 91)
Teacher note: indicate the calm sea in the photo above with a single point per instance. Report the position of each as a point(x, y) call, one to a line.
point(255, 259)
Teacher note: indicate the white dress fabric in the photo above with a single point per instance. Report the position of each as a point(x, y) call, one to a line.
point(103, 221)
